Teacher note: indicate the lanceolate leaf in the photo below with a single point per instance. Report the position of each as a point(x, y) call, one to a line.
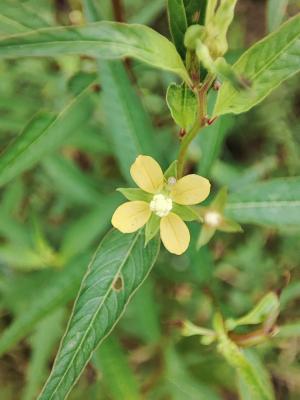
point(248, 373)
point(145, 311)
point(254, 378)
point(69, 180)
point(43, 134)
point(16, 19)
point(106, 40)
point(275, 13)
point(126, 120)
point(60, 289)
point(129, 125)
point(117, 374)
point(50, 327)
point(118, 268)
point(211, 141)
point(85, 230)
point(266, 64)
point(195, 11)
point(148, 12)
point(181, 382)
point(178, 24)
point(275, 203)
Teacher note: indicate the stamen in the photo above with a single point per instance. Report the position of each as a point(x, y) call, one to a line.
point(161, 205)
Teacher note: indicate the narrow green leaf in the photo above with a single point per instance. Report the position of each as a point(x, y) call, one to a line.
point(211, 142)
point(247, 372)
point(195, 11)
point(248, 391)
point(268, 305)
point(148, 12)
point(126, 119)
point(42, 135)
point(145, 314)
point(130, 126)
point(275, 13)
point(70, 181)
point(100, 304)
point(183, 105)
point(41, 351)
point(251, 174)
point(289, 294)
point(275, 203)
point(27, 258)
point(177, 24)
point(117, 375)
point(289, 330)
point(17, 17)
point(61, 288)
point(266, 64)
point(181, 382)
point(106, 40)
point(82, 233)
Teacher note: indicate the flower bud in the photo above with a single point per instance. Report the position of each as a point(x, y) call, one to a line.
point(192, 35)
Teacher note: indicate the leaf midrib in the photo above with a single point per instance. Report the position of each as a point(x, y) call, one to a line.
point(95, 314)
point(264, 204)
point(69, 29)
point(128, 115)
point(261, 70)
point(278, 55)
point(14, 22)
point(37, 138)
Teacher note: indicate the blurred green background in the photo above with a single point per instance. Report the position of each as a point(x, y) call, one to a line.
point(53, 216)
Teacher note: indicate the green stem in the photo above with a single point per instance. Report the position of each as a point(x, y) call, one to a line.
point(199, 124)
point(190, 136)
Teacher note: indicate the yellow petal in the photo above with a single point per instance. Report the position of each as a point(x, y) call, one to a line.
point(191, 189)
point(147, 174)
point(131, 216)
point(174, 234)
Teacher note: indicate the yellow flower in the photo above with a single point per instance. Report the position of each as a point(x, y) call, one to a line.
point(163, 202)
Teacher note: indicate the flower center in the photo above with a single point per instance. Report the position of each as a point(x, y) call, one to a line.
point(161, 205)
point(212, 218)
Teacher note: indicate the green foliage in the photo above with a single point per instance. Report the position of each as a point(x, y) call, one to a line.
point(195, 11)
point(118, 377)
point(178, 24)
point(60, 288)
point(266, 64)
point(131, 131)
point(125, 264)
point(260, 375)
point(103, 39)
point(249, 374)
point(79, 101)
point(42, 135)
point(183, 105)
point(276, 10)
point(51, 327)
point(273, 203)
